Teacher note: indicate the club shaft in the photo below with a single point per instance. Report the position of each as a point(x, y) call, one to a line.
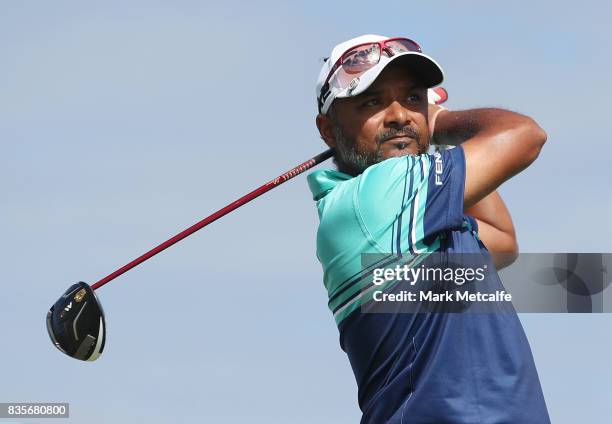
point(220, 213)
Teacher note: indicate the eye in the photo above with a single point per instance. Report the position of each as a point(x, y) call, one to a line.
point(413, 98)
point(371, 102)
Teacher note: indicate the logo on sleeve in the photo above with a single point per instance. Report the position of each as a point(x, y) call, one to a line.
point(439, 167)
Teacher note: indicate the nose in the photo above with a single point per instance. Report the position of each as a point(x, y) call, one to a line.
point(397, 116)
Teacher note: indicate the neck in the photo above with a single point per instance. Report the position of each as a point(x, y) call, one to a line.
point(346, 168)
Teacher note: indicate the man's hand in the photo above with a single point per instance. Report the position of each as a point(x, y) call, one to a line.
point(432, 114)
point(498, 144)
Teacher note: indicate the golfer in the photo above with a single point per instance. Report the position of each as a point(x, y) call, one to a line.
point(388, 196)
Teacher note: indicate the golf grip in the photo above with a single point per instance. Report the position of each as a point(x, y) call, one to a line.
point(221, 212)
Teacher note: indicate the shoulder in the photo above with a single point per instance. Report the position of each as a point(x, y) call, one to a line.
point(323, 181)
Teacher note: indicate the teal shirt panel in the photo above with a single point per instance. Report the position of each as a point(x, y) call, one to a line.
point(368, 213)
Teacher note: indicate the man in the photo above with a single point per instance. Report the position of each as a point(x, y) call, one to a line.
point(389, 197)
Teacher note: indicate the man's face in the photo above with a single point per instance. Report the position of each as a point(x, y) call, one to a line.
point(388, 119)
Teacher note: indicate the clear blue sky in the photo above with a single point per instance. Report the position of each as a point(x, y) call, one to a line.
point(122, 123)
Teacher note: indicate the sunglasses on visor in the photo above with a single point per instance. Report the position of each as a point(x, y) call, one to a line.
point(358, 59)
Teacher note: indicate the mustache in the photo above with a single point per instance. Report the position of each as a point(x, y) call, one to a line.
point(407, 131)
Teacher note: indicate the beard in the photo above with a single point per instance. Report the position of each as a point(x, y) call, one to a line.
point(353, 162)
point(350, 160)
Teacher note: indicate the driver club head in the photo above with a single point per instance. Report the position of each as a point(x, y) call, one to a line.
point(76, 323)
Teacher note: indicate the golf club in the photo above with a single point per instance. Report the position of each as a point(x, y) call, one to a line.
point(76, 323)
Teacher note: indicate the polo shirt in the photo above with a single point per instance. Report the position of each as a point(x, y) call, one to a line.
point(424, 365)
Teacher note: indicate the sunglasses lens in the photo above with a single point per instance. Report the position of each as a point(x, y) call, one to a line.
point(403, 45)
point(361, 58)
point(354, 63)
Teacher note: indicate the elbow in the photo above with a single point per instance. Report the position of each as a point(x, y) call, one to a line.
point(532, 139)
point(538, 137)
point(505, 250)
point(513, 254)
point(507, 256)
point(503, 260)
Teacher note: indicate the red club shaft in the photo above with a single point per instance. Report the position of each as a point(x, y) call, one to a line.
point(221, 212)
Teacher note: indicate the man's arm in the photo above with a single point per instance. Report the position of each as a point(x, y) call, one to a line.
point(495, 229)
point(498, 144)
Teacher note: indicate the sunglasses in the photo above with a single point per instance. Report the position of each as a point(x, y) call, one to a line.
point(358, 59)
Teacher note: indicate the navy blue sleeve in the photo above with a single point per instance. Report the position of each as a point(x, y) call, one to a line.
point(445, 190)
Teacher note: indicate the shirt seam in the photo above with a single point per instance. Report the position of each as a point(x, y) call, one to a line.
point(361, 221)
point(454, 183)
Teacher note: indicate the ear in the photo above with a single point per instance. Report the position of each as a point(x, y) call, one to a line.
point(325, 126)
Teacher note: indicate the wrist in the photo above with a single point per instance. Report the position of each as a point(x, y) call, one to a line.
point(432, 123)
